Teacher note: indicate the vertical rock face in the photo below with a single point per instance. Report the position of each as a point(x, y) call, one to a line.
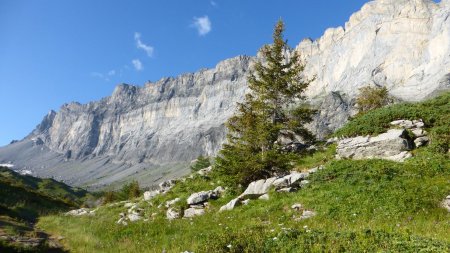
point(174, 119)
point(401, 44)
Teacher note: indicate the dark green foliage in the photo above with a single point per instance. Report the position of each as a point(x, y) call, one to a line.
point(252, 151)
point(435, 114)
point(130, 191)
point(26, 197)
point(372, 98)
point(201, 163)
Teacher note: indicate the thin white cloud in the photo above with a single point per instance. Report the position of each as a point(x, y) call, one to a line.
point(141, 45)
point(137, 64)
point(202, 24)
point(111, 72)
point(213, 3)
point(104, 77)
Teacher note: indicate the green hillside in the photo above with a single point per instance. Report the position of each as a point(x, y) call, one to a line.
point(362, 206)
point(23, 199)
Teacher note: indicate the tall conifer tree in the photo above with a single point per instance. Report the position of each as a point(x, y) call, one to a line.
point(276, 87)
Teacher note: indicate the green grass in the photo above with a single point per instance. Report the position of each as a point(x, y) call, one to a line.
point(23, 199)
point(362, 206)
point(369, 205)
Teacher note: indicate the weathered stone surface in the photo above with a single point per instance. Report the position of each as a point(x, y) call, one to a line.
point(172, 214)
point(389, 145)
point(258, 188)
point(290, 180)
point(401, 44)
point(148, 195)
point(134, 217)
point(419, 132)
point(200, 197)
point(192, 212)
point(307, 214)
point(230, 205)
point(219, 190)
point(408, 124)
point(419, 142)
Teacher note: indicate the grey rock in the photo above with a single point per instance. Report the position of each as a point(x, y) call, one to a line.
point(172, 214)
point(418, 132)
point(219, 190)
point(148, 195)
point(290, 180)
point(230, 205)
point(133, 217)
point(315, 169)
point(407, 124)
point(307, 214)
point(390, 145)
point(257, 188)
point(192, 212)
point(421, 141)
point(200, 197)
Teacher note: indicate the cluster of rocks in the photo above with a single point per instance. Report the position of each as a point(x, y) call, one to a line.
point(260, 189)
point(134, 213)
point(197, 202)
point(416, 127)
point(81, 212)
point(164, 187)
point(393, 145)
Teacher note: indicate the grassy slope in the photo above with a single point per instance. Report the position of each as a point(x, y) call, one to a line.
point(24, 198)
point(369, 205)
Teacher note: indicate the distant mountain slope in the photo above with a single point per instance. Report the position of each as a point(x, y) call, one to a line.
point(27, 197)
point(22, 200)
point(152, 132)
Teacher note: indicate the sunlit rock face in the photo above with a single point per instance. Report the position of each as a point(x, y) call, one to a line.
point(147, 132)
point(174, 119)
point(401, 44)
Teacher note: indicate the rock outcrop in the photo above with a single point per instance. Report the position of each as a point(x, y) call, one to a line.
point(259, 189)
point(152, 132)
point(393, 145)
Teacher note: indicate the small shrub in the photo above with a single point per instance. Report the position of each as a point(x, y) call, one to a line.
point(130, 190)
point(372, 98)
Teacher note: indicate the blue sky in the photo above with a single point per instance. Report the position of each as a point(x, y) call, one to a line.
point(53, 51)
